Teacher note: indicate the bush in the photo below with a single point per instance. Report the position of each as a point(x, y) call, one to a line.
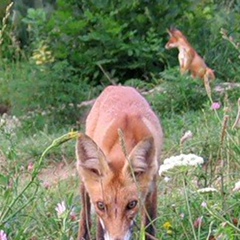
point(48, 94)
point(119, 41)
point(179, 94)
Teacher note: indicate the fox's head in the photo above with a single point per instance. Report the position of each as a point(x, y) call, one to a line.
point(116, 193)
point(177, 39)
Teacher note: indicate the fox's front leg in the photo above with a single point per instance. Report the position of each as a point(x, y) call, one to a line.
point(183, 69)
point(151, 212)
point(85, 221)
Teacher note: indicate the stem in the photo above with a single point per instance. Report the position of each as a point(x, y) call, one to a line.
point(188, 208)
point(210, 230)
point(223, 220)
point(184, 230)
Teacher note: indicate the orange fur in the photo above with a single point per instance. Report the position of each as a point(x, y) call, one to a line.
point(189, 59)
point(119, 186)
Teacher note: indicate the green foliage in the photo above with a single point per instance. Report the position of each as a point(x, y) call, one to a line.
point(45, 94)
point(127, 40)
point(124, 38)
point(36, 20)
point(178, 94)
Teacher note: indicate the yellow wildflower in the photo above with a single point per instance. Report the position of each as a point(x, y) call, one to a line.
point(167, 225)
point(42, 55)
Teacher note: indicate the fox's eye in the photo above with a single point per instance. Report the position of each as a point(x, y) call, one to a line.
point(101, 206)
point(132, 204)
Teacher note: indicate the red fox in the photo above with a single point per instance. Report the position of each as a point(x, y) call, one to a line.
point(189, 59)
point(119, 181)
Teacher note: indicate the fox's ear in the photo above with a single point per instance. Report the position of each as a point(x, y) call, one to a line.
point(142, 158)
point(91, 160)
point(173, 28)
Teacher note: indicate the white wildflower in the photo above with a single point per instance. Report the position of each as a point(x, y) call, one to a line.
point(182, 215)
point(167, 179)
point(237, 187)
point(180, 160)
point(2, 122)
point(207, 190)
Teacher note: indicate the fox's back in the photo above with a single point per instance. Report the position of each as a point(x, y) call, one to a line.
point(198, 66)
point(120, 107)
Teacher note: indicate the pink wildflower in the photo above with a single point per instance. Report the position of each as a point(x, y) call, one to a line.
point(3, 235)
point(30, 167)
point(216, 106)
point(61, 208)
point(204, 204)
point(47, 185)
point(198, 222)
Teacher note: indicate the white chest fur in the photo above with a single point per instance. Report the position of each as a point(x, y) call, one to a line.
point(182, 56)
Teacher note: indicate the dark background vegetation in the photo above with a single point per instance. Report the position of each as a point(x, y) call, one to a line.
point(87, 45)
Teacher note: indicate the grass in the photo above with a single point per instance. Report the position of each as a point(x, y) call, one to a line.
point(32, 185)
point(194, 215)
point(28, 203)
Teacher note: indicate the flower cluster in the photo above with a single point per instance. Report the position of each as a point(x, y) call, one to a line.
point(207, 190)
point(180, 160)
point(43, 56)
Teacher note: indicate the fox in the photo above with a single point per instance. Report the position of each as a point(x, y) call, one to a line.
point(118, 158)
point(188, 58)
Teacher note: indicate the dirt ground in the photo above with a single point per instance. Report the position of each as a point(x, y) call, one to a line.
point(57, 172)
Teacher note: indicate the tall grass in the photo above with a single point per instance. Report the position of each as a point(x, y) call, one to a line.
point(29, 207)
point(195, 202)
